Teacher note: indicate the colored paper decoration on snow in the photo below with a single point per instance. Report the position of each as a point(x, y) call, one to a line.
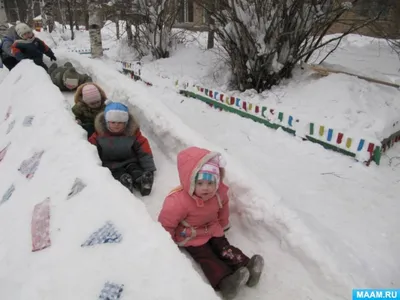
point(84, 50)
point(10, 126)
point(28, 121)
point(111, 291)
point(3, 152)
point(29, 166)
point(131, 66)
point(77, 187)
point(330, 134)
point(40, 226)
point(339, 138)
point(104, 235)
point(7, 195)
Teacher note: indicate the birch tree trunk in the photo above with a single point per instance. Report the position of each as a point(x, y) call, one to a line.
point(95, 24)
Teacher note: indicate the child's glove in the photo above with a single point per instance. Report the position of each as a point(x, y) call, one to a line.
point(53, 58)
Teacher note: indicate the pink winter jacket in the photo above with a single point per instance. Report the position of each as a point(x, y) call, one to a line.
point(190, 220)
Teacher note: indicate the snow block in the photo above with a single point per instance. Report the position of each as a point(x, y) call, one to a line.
point(111, 291)
point(7, 195)
point(10, 126)
point(3, 152)
point(29, 166)
point(40, 226)
point(104, 235)
point(28, 121)
point(77, 187)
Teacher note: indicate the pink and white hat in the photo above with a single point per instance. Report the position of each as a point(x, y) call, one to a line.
point(210, 170)
point(90, 94)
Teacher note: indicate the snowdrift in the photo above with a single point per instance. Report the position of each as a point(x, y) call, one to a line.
point(133, 256)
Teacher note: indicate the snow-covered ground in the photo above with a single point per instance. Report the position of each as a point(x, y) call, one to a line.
point(323, 222)
point(146, 262)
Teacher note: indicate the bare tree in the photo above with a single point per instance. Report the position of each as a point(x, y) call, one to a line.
point(264, 40)
point(30, 9)
point(61, 9)
point(47, 9)
point(68, 4)
point(154, 32)
point(17, 11)
point(75, 11)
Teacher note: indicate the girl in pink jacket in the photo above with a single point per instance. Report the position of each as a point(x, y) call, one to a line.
point(196, 214)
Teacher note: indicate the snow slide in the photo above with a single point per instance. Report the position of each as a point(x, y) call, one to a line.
point(297, 266)
point(139, 261)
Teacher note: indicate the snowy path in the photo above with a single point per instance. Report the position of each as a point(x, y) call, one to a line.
point(335, 196)
point(285, 277)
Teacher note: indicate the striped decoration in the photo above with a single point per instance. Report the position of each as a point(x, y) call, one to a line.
point(84, 51)
point(321, 133)
point(328, 137)
point(339, 140)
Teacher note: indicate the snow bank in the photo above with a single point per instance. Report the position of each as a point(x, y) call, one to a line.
point(33, 118)
point(348, 105)
point(253, 200)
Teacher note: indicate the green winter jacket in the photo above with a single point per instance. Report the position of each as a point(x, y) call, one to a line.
point(58, 73)
point(82, 111)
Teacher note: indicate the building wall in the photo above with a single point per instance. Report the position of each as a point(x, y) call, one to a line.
point(198, 23)
point(390, 22)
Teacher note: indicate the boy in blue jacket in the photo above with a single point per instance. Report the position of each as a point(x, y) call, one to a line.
point(20, 43)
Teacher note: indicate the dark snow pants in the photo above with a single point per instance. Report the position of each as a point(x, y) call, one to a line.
point(10, 62)
point(218, 259)
point(132, 169)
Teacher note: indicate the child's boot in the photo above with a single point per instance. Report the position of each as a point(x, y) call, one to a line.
point(146, 183)
point(255, 267)
point(126, 181)
point(231, 284)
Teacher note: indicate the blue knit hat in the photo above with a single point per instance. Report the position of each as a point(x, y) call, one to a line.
point(116, 112)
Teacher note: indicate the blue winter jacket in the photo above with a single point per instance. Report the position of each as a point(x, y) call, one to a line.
point(34, 48)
